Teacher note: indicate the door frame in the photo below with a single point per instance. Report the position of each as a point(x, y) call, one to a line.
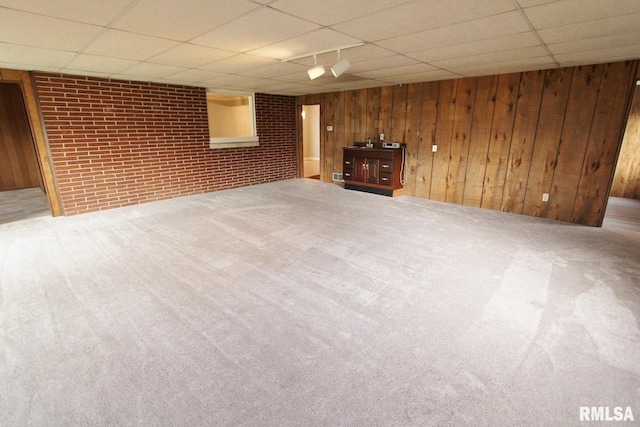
point(37, 131)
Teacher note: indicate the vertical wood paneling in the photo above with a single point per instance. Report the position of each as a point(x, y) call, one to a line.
point(444, 135)
point(349, 119)
point(360, 125)
point(575, 137)
point(479, 140)
point(500, 144)
point(604, 140)
point(626, 181)
point(501, 140)
point(37, 128)
point(543, 162)
point(339, 131)
point(373, 112)
point(524, 134)
point(329, 138)
point(412, 136)
point(398, 113)
point(18, 159)
point(463, 118)
point(424, 155)
point(386, 111)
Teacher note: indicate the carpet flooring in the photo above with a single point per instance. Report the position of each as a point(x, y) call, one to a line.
point(298, 303)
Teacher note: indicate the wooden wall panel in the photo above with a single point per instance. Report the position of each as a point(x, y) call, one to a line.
point(444, 135)
point(543, 162)
point(424, 155)
point(398, 114)
point(373, 112)
point(360, 119)
point(327, 166)
point(604, 142)
point(479, 140)
point(522, 139)
point(575, 138)
point(465, 99)
point(626, 181)
point(385, 112)
point(18, 160)
point(412, 136)
point(501, 140)
point(500, 143)
point(339, 128)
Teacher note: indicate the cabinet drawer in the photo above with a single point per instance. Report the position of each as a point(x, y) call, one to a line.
point(386, 178)
point(386, 165)
point(347, 163)
point(347, 174)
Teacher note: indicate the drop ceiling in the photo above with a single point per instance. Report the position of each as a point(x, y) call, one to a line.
point(241, 44)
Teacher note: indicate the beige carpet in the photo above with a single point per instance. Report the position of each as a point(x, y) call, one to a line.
point(298, 303)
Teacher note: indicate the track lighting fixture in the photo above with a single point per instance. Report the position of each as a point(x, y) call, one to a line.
point(316, 71)
point(341, 66)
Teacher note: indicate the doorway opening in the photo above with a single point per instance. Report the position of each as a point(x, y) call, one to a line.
point(22, 189)
point(623, 207)
point(311, 141)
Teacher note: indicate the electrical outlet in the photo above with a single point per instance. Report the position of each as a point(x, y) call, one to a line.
point(329, 128)
point(545, 197)
point(434, 148)
point(382, 137)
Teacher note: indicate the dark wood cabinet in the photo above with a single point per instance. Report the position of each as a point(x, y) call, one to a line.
point(375, 170)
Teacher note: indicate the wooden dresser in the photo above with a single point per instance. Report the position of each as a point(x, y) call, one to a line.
point(374, 170)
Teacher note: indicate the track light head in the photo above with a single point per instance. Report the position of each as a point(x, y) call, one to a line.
point(316, 71)
point(340, 67)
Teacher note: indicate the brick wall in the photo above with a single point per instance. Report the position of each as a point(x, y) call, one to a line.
point(116, 143)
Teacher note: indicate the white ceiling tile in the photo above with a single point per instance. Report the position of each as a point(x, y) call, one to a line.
point(94, 12)
point(590, 30)
point(607, 42)
point(27, 55)
point(315, 41)
point(145, 69)
point(393, 71)
point(569, 12)
point(484, 28)
point(426, 76)
point(85, 62)
point(29, 67)
point(419, 15)
point(256, 29)
point(276, 70)
point(181, 20)
point(511, 66)
point(529, 3)
point(194, 75)
point(41, 31)
point(599, 55)
point(383, 63)
point(329, 12)
point(488, 58)
point(190, 55)
point(120, 44)
point(238, 64)
point(510, 42)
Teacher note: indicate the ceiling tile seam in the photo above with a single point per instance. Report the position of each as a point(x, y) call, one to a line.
point(101, 33)
point(535, 31)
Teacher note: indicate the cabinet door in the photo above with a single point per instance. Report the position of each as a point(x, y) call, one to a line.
point(373, 170)
point(360, 169)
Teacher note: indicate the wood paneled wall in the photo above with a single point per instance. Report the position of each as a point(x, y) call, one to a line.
point(626, 181)
point(18, 160)
point(501, 140)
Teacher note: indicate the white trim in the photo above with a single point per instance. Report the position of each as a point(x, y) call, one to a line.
point(228, 142)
